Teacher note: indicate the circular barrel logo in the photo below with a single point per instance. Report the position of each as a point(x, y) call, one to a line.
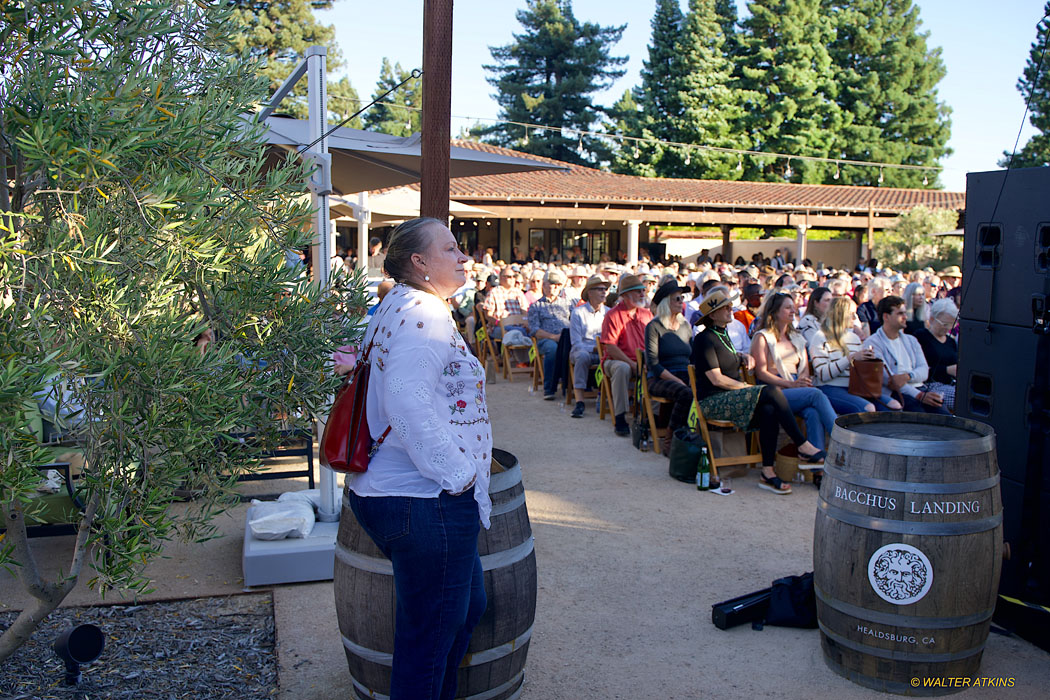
point(900, 573)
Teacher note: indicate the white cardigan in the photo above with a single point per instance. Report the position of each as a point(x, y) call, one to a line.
point(430, 389)
point(831, 365)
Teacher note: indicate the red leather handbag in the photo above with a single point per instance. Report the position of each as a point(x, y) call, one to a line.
point(347, 445)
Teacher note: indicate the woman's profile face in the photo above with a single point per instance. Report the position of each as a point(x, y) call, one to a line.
point(918, 298)
point(676, 302)
point(786, 313)
point(444, 261)
point(721, 317)
point(824, 304)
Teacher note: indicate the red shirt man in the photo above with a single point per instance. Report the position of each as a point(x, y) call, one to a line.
point(623, 333)
point(624, 327)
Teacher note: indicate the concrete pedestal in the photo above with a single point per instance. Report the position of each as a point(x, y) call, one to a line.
point(266, 562)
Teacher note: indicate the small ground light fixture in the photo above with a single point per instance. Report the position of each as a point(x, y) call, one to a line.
point(78, 645)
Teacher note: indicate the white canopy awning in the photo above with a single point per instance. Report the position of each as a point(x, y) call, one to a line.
point(366, 160)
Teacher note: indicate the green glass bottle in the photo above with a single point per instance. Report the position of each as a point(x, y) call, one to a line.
point(703, 471)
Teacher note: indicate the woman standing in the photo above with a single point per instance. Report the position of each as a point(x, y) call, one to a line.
point(426, 488)
point(781, 360)
point(668, 340)
point(723, 396)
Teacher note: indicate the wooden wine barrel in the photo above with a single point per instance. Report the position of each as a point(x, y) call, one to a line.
point(907, 549)
point(364, 595)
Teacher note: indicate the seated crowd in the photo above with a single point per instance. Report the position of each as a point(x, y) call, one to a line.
point(769, 342)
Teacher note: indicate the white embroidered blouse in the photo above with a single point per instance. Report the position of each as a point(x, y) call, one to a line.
point(430, 389)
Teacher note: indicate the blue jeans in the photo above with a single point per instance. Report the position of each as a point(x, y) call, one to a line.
point(844, 402)
point(433, 545)
point(814, 407)
point(549, 350)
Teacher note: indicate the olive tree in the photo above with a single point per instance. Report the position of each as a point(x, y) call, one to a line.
point(910, 244)
point(142, 216)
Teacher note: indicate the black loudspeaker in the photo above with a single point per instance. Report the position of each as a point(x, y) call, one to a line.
point(996, 385)
point(1006, 258)
point(1004, 373)
point(1024, 603)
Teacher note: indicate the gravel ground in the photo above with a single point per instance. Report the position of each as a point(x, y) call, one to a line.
point(202, 648)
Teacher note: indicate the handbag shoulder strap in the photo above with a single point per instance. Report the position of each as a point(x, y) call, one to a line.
point(364, 360)
point(368, 349)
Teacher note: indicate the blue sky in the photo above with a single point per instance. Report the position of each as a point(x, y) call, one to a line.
point(985, 45)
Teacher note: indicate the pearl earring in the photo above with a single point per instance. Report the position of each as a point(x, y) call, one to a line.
point(426, 278)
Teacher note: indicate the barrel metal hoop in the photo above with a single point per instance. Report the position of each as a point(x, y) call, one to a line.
point(900, 655)
point(880, 684)
point(498, 652)
point(367, 692)
point(364, 562)
point(377, 657)
point(510, 506)
point(914, 448)
point(898, 620)
point(903, 527)
point(508, 556)
point(518, 678)
point(482, 657)
point(911, 486)
point(382, 565)
point(505, 480)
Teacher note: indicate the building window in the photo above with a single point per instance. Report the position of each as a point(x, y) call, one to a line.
point(592, 244)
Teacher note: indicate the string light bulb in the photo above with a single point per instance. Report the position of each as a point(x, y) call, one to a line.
point(837, 171)
point(925, 179)
point(881, 178)
point(687, 159)
point(740, 165)
point(788, 172)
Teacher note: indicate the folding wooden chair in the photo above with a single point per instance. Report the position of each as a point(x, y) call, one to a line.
point(647, 402)
point(510, 368)
point(483, 341)
point(753, 456)
point(570, 394)
point(605, 402)
point(537, 367)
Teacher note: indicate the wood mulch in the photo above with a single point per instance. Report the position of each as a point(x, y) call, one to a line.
point(201, 648)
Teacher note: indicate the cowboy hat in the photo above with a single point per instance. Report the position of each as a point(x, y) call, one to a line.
point(715, 299)
point(629, 283)
point(667, 289)
point(592, 282)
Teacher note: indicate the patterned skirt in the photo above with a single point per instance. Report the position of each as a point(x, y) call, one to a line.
point(735, 405)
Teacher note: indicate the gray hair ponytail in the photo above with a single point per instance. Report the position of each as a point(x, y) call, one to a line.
point(408, 239)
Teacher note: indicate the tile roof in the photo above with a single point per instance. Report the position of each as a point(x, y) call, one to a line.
point(582, 184)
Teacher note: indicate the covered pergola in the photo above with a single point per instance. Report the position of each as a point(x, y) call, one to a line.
point(630, 211)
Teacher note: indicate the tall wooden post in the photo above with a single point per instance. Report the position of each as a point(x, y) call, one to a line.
point(870, 235)
point(727, 242)
point(437, 107)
